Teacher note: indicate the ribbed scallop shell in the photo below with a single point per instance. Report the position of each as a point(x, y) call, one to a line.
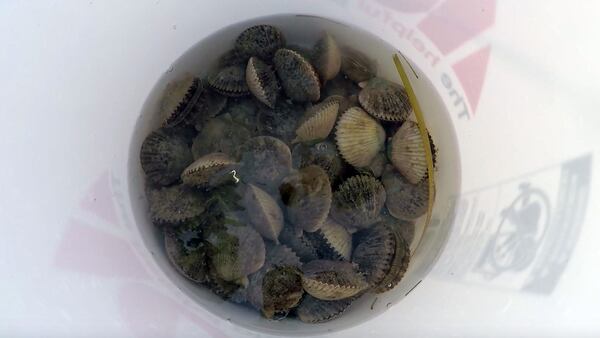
point(237, 252)
point(318, 121)
point(163, 157)
point(263, 212)
point(265, 161)
point(299, 244)
point(332, 280)
point(259, 40)
point(404, 227)
point(405, 201)
point(209, 105)
point(282, 290)
point(407, 152)
point(230, 81)
point(332, 241)
point(174, 205)
point(276, 256)
point(298, 77)
point(262, 81)
point(313, 310)
point(358, 202)
point(323, 154)
point(327, 57)
point(357, 66)
point(191, 264)
point(220, 135)
point(374, 252)
point(179, 99)
point(359, 137)
point(398, 265)
point(206, 169)
point(385, 100)
point(307, 196)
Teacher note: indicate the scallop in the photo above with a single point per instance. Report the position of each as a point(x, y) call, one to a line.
point(301, 246)
point(237, 252)
point(263, 212)
point(190, 263)
point(281, 289)
point(307, 196)
point(260, 40)
point(209, 105)
point(323, 154)
point(276, 256)
point(359, 137)
point(298, 77)
point(230, 81)
point(404, 227)
point(175, 205)
point(398, 265)
point(405, 201)
point(179, 99)
point(281, 121)
point(332, 241)
point(262, 81)
point(222, 136)
point(407, 152)
point(374, 252)
point(385, 100)
point(318, 121)
point(327, 57)
point(358, 202)
point(163, 156)
point(332, 280)
point(377, 166)
point(265, 161)
point(219, 286)
point(207, 169)
point(342, 86)
point(281, 255)
point(313, 310)
point(357, 66)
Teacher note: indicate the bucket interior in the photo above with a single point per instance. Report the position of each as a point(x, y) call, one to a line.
point(305, 30)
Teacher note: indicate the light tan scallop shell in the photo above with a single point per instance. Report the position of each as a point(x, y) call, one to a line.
point(327, 57)
point(264, 212)
point(332, 241)
point(179, 99)
point(359, 137)
point(332, 280)
point(205, 168)
point(318, 120)
point(262, 81)
point(407, 152)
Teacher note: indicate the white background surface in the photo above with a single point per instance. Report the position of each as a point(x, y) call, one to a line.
point(75, 74)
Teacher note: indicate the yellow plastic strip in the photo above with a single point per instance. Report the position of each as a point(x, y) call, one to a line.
point(424, 137)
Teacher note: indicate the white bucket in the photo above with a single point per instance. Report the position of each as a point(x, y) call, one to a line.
point(305, 30)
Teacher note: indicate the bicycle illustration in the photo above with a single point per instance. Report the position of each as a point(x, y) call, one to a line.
point(520, 233)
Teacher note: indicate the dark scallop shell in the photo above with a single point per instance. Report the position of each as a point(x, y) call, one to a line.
point(259, 40)
point(298, 77)
point(358, 202)
point(163, 157)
